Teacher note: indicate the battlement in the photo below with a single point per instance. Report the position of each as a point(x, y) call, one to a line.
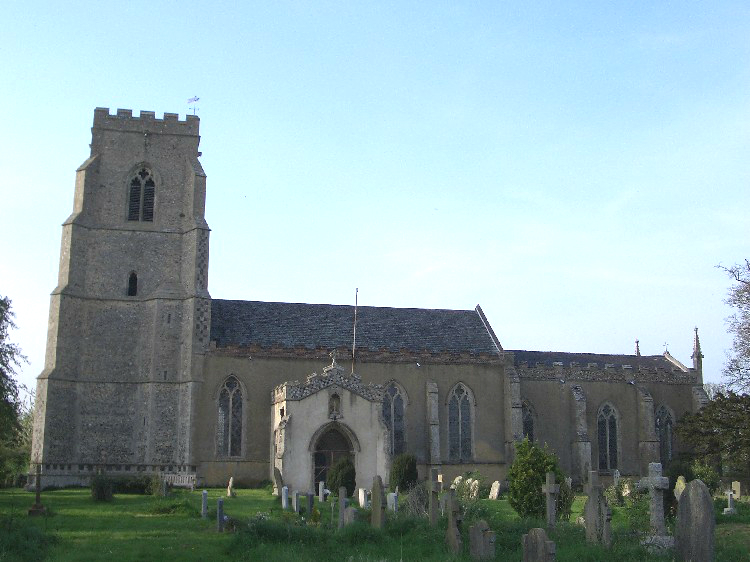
point(146, 122)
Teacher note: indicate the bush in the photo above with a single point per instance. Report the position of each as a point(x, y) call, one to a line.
point(416, 501)
point(102, 488)
point(342, 474)
point(527, 475)
point(636, 510)
point(708, 474)
point(404, 472)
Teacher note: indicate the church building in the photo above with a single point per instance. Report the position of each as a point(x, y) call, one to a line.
point(146, 373)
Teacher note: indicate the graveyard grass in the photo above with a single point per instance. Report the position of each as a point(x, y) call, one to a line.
point(135, 527)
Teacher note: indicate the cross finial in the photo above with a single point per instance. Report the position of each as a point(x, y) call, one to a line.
point(637, 348)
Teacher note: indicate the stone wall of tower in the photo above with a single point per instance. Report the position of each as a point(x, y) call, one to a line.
point(121, 371)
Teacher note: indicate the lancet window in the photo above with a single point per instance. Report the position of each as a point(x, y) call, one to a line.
point(141, 196)
point(607, 435)
point(394, 400)
point(527, 415)
point(132, 284)
point(229, 427)
point(664, 431)
point(460, 403)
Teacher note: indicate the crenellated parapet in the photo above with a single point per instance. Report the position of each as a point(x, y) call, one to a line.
point(124, 121)
point(608, 372)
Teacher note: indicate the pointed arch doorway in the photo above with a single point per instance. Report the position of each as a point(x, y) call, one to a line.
point(332, 445)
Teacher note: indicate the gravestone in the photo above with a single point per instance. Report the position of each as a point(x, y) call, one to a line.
point(204, 504)
point(679, 486)
point(730, 509)
point(284, 497)
point(551, 491)
point(441, 485)
point(616, 477)
point(434, 500)
point(321, 491)
point(392, 501)
point(295, 501)
point(230, 488)
point(569, 482)
point(350, 515)
point(537, 547)
point(656, 484)
point(362, 494)
point(453, 533)
point(694, 530)
point(220, 515)
point(481, 541)
point(377, 519)
point(310, 503)
point(495, 490)
point(38, 508)
point(342, 506)
point(278, 481)
point(737, 489)
point(596, 512)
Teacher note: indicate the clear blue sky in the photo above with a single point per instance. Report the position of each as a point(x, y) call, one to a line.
point(578, 169)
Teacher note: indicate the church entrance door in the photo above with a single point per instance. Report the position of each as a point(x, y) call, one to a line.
point(332, 446)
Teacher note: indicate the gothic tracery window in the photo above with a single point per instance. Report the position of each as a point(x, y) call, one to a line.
point(528, 421)
point(607, 437)
point(664, 431)
point(459, 424)
point(393, 415)
point(229, 427)
point(141, 196)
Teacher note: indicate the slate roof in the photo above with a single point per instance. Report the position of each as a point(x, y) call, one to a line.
point(329, 326)
point(583, 359)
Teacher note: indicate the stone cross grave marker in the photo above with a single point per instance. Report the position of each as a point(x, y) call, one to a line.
point(551, 491)
point(737, 489)
point(342, 506)
point(321, 491)
point(694, 530)
point(453, 533)
point(495, 490)
point(481, 541)
point(730, 509)
point(220, 515)
point(656, 484)
point(278, 481)
point(537, 547)
point(310, 503)
point(679, 486)
point(434, 499)
point(38, 508)
point(392, 501)
point(377, 519)
point(295, 501)
point(596, 512)
point(204, 504)
point(230, 488)
point(284, 497)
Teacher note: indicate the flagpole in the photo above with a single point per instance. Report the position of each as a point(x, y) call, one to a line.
point(354, 341)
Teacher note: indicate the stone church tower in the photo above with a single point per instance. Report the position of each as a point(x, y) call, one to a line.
point(129, 318)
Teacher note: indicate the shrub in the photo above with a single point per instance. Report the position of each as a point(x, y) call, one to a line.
point(636, 510)
point(342, 474)
point(404, 472)
point(102, 488)
point(527, 475)
point(416, 501)
point(708, 474)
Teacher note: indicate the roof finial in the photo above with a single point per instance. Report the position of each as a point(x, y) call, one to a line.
point(696, 346)
point(637, 349)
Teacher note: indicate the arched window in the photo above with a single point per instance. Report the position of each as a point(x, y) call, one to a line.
point(664, 431)
point(527, 414)
point(229, 427)
point(394, 399)
point(607, 433)
point(141, 196)
point(132, 284)
point(459, 423)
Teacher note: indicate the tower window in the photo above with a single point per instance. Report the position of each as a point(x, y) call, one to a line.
point(132, 284)
point(141, 197)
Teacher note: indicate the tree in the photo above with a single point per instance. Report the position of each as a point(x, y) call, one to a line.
point(737, 368)
point(720, 432)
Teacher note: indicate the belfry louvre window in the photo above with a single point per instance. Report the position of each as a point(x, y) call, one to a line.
point(229, 427)
point(607, 434)
point(141, 196)
point(459, 424)
point(393, 415)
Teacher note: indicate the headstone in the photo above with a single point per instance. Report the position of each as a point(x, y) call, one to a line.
point(204, 504)
point(730, 509)
point(220, 515)
point(694, 530)
point(569, 482)
point(392, 501)
point(495, 490)
point(230, 488)
point(737, 489)
point(321, 491)
point(679, 486)
point(342, 506)
point(295, 501)
point(310, 503)
point(481, 541)
point(38, 508)
point(350, 515)
point(551, 491)
point(596, 512)
point(377, 519)
point(434, 499)
point(278, 481)
point(537, 547)
point(441, 484)
point(656, 484)
point(616, 477)
point(453, 533)
point(362, 494)
point(284, 497)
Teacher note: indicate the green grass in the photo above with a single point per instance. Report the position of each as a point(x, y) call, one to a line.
point(134, 527)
